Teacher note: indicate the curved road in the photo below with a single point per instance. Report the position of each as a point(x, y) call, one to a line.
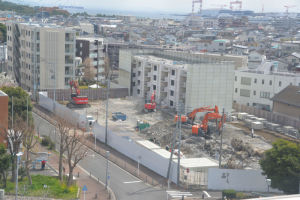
point(124, 185)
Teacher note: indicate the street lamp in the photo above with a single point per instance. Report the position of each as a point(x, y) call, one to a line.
point(17, 167)
point(268, 183)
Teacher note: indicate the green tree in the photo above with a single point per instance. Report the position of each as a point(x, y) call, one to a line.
point(2, 33)
point(4, 164)
point(282, 165)
point(20, 103)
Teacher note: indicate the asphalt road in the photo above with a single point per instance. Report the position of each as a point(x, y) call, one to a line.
point(124, 185)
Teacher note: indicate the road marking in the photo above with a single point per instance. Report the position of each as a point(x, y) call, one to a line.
point(132, 182)
point(206, 193)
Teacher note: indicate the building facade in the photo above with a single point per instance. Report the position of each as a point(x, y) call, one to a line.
point(40, 56)
point(257, 87)
point(177, 79)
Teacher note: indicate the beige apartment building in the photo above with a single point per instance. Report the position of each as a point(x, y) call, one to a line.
point(41, 56)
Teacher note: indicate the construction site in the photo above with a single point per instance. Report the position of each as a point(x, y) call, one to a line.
point(240, 149)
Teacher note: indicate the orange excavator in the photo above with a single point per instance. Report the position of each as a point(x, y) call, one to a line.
point(77, 101)
point(203, 128)
point(190, 117)
point(150, 106)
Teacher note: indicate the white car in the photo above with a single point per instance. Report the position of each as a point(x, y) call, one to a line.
point(90, 119)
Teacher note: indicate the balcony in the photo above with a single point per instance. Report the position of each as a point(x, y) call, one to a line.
point(69, 60)
point(166, 79)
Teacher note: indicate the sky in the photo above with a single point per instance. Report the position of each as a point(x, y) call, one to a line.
point(178, 6)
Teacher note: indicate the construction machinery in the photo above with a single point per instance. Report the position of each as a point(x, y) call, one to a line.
point(203, 129)
point(150, 106)
point(77, 101)
point(190, 117)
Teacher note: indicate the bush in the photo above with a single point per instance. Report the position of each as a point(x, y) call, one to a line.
point(229, 194)
point(46, 141)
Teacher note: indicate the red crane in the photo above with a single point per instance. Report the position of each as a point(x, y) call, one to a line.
point(287, 7)
point(190, 117)
point(203, 129)
point(77, 101)
point(151, 106)
point(239, 3)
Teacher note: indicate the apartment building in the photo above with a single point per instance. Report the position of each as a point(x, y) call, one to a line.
point(256, 87)
point(177, 79)
point(87, 47)
point(40, 56)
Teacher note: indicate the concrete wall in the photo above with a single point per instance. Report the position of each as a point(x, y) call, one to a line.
point(209, 85)
point(239, 180)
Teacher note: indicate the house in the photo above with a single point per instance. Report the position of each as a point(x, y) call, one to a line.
point(287, 102)
point(239, 50)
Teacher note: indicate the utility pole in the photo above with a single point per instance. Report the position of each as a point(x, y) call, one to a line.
point(107, 173)
point(106, 110)
point(180, 108)
point(27, 112)
point(221, 133)
point(172, 151)
point(12, 112)
point(97, 43)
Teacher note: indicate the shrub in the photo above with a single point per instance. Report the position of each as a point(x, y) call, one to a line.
point(230, 194)
point(46, 141)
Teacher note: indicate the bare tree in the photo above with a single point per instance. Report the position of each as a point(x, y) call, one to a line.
point(63, 131)
point(29, 142)
point(89, 70)
point(107, 69)
point(14, 137)
point(76, 151)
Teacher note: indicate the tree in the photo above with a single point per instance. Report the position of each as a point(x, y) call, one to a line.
point(2, 33)
point(63, 130)
point(4, 164)
point(76, 152)
point(29, 142)
point(20, 103)
point(89, 70)
point(281, 164)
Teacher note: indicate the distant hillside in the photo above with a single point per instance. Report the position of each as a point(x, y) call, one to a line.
point(28, 10)
point(19, 9)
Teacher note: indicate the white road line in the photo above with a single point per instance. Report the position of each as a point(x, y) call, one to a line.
point(132, 182)
point(206, 193)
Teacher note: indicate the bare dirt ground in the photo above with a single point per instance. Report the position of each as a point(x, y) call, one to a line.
point(240, 150)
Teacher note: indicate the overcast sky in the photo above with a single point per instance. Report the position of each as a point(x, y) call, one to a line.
point(174, 5)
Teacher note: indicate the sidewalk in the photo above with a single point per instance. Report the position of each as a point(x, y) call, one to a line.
point(95, 190)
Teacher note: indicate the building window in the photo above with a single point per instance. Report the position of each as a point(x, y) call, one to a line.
point(265, 95)
point(133, 83)
point(171, 103)
point(133, 75)
point(279, 83)
point(235, 78)
point(80, 44)
point(172, 93)
point(155, 68)
point(139, 73)
point(172, 82)
point(254, 92)
point(244, 93)
point(255, 80)
point(236, 90)
point(154, 87)
point(245, 81)
point(154, 77)
point(138, 91)
point(139, 82)
point(263, 81)
point(140, 64)
point(221, 44)
point(173, 72)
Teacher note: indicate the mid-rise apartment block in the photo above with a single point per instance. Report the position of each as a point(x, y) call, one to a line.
point(256, 87)
point(41, 56)
point(178, 78)
point(91, 48)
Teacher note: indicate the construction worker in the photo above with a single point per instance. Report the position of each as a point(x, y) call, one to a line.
point(43, 164)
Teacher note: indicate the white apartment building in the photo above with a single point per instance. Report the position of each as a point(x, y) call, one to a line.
point(41, 56)
point(177, 79)
point(256, 87)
